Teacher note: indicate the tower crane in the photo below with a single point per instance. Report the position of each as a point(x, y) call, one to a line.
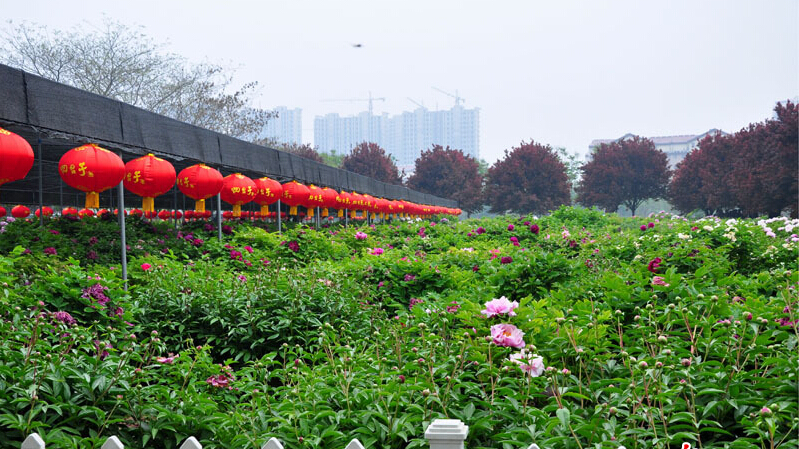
point(458, 98)
point(421, 105)
point(370, 100)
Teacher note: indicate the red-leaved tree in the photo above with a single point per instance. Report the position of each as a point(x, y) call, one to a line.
point(449, 174)
point(626, 172)
point(766, 165)
point(369, 159)
point(530, 178)
point(751, 172)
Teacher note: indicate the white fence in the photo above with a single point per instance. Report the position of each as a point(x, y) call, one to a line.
point(441, 434)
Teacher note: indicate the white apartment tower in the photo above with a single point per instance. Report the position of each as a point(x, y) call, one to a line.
point(286, 128)
point(404, 136)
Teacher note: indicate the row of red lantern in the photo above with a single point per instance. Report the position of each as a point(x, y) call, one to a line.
point(93, 169)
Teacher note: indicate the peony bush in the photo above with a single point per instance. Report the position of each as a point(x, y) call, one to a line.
point(572, 330)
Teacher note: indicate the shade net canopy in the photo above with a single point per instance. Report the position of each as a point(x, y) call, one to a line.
point(55, 118)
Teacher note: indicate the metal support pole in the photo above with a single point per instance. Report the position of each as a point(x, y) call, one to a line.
point(121, 217)
point(61, 194)
point(219, 215)
point(318, 218)
point(41, 188)
point(175, 205)
point(346, 217)
point(279, 219)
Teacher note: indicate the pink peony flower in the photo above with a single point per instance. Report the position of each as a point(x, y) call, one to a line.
point(507, 335)
point(659, 280)
point(361, 235)
point(530, 364)
point(146, 266)
point(510, 227)
point(534, 229)
point(506, 260)
point(167, 360)
point(376, 251)
point(500, 306)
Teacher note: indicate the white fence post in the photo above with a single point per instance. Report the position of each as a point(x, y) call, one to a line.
point(112, 443)
point(446, 434)
point(273, 443)
point(354, 444)
point(191, 443)
point(34, 441)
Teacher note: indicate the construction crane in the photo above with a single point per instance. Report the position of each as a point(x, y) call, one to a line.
point(458, 99)
point(421, 105)
point(370, 100)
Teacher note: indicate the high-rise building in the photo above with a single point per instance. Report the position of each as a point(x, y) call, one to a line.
point(404, 136)
point(286, 128)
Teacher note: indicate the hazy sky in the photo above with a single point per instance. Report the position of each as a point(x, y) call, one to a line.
point(559, 72)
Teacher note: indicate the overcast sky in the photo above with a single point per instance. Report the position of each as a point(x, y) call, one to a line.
point(559, 72)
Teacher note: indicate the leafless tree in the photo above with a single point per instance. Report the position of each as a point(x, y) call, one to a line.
point(123, 63)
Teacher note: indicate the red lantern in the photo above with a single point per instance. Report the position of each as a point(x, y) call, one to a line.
point(136, 213)
point(295, 194)
point(2, 211)
point(69, 211)
point(85, 213)
point(343, 201)
point(199, 182)
point(91, 169)
point(314, 200)
point(237, 189)
point(16, 157)
point(328, 200)
point(268, 191)
point(177, 214)
point(149, 177)
point(20, 211)
point(48, 211)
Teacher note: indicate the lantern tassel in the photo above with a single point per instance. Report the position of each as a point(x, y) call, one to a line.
point(353, 213)
point(237, 210)
point(264, 211)
point(340, 213)
point(293, 210)
point(310, 212)
point(199, 206)
point(92, 200)
point(148, 204)
point(325, 213)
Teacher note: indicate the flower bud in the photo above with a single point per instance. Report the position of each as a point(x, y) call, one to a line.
point(765, 412)
point(662, 339)
point(686, 362)
point(426, 392)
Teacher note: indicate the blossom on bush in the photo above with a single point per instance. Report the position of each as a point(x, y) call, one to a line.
point(64, 317)
point(146, 266)
point(500, 306)
point(242, 278)
point(294, 246)
point(453, 307)
point(659, 280)
point(248, 249)
point(409, 278)
point(534, 229)
point(506, 260)
point(167, 360)
point(413, 302)
point(480, 230)
point(376, 251)
point(514, 240)
point(531, 364)
point(361, 235)
point(219, 381)
point(50, 250)
point(510, 227)
point(654, 264)
point(507, 335)
point(96, 292)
